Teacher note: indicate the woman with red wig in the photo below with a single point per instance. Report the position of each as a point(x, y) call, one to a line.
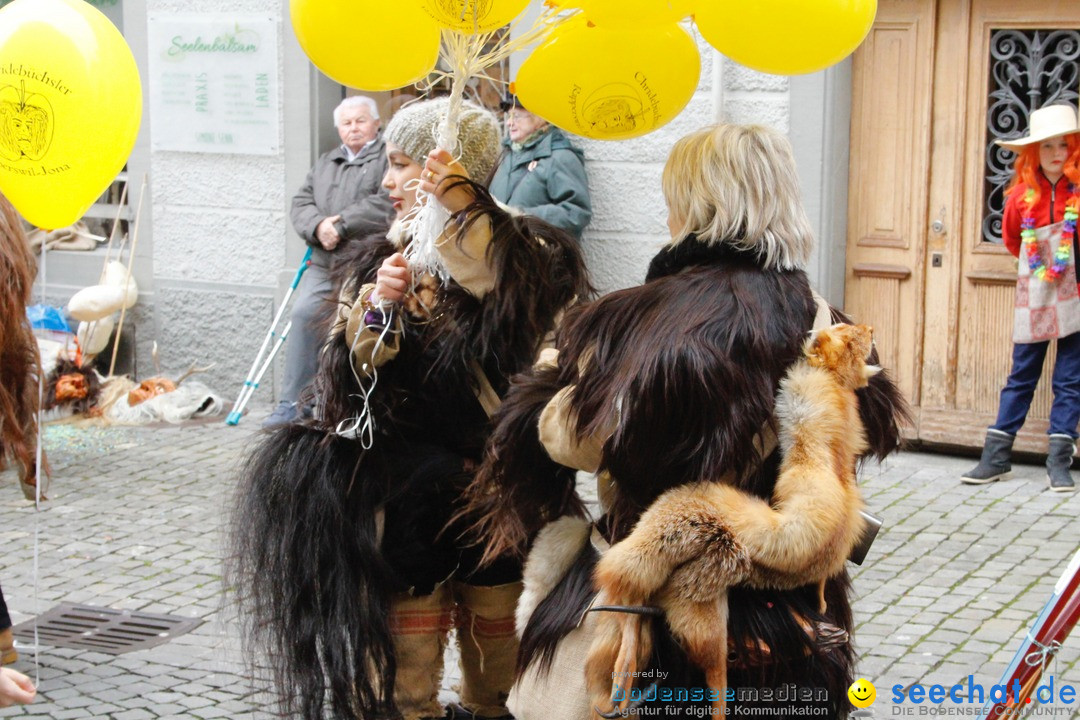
point(1039, 228)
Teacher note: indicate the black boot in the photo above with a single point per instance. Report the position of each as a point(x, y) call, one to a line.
point(1058, 461)
point(995, 463)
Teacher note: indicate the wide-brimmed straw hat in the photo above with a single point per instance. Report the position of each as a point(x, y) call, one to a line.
point(1048, 122)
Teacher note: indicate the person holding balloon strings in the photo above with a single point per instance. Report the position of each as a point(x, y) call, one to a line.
point(15, 688)
point(351, 572)
point(18, 406)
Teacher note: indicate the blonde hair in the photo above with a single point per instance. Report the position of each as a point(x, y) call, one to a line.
point(736, 184)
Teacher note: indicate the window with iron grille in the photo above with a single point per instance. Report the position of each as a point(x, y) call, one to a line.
point(1029, 69)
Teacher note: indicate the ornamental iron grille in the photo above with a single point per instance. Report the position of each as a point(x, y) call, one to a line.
point(1029, 69)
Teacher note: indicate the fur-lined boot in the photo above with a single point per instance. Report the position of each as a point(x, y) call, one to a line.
point(420, 626)
point(995, 462)
point(489, 646)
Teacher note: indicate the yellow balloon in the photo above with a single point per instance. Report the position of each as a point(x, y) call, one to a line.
point(786, 37)
point(469, 16)
point(70, 107)
point(636, 13)
point(367, 44)
point(610, 83)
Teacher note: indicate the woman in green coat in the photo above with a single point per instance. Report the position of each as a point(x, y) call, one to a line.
point(541, 173)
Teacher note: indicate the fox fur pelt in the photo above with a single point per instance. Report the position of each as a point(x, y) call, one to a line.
point(313, 567)
point(697, 541)
point(19, 362)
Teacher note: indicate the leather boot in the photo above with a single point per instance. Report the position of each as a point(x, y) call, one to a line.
point(1058, 462)
point(7, 647)
point(420, 626)
point(489, 645)
point(995, 463)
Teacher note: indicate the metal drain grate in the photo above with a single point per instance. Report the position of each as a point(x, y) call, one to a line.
point(102, 629)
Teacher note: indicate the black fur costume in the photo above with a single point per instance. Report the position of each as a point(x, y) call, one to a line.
point(693, 359)
point(314, 582)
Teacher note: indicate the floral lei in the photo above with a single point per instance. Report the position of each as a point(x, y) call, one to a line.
point(1064, 248)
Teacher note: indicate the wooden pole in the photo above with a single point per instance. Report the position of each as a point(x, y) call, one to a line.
point(112, 235)
point(91, 327)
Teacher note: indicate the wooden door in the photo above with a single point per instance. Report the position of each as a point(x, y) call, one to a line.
point(935, 83)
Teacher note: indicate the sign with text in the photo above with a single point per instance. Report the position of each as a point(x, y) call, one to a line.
point(214, 83)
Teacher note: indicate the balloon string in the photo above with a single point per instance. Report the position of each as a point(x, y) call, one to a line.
point(466, 57)
point(38, 472)
point(362, 426)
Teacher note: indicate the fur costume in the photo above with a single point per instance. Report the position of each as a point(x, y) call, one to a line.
point(695, 542)
point(687, 368)
point(19, 361)
point(326, 530)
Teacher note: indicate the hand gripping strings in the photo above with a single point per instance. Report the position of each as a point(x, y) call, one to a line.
point(421, 259)
point(362, 425)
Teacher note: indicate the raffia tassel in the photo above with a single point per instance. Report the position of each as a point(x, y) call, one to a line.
point(426, 227)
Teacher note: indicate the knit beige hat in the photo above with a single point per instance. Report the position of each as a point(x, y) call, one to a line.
point(415, 127)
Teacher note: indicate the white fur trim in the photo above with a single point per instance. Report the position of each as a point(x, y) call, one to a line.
point(551, 556)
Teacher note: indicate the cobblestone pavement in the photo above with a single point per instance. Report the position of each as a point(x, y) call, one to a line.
point(136, 514)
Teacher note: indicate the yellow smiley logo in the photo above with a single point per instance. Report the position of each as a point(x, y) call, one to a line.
point(862, 693)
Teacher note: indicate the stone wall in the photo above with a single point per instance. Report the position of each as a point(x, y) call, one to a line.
point(219, 230)
point(630, 219)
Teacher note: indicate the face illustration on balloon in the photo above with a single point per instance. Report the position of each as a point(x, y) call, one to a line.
point(465, 9)
point(70, 107)
point(25, 124)
point(613, 108)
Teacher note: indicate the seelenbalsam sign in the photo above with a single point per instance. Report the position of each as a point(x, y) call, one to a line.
point(214, 83)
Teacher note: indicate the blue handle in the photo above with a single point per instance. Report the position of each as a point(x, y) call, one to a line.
point(303, 266)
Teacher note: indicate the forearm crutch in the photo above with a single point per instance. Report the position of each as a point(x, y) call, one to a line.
point(251, 383)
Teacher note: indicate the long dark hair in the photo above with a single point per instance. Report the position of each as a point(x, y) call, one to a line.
point(19, 362)
point(314, 605)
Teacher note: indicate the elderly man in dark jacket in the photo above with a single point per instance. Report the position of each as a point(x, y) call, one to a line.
point(341, 199)
point(541, 173)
